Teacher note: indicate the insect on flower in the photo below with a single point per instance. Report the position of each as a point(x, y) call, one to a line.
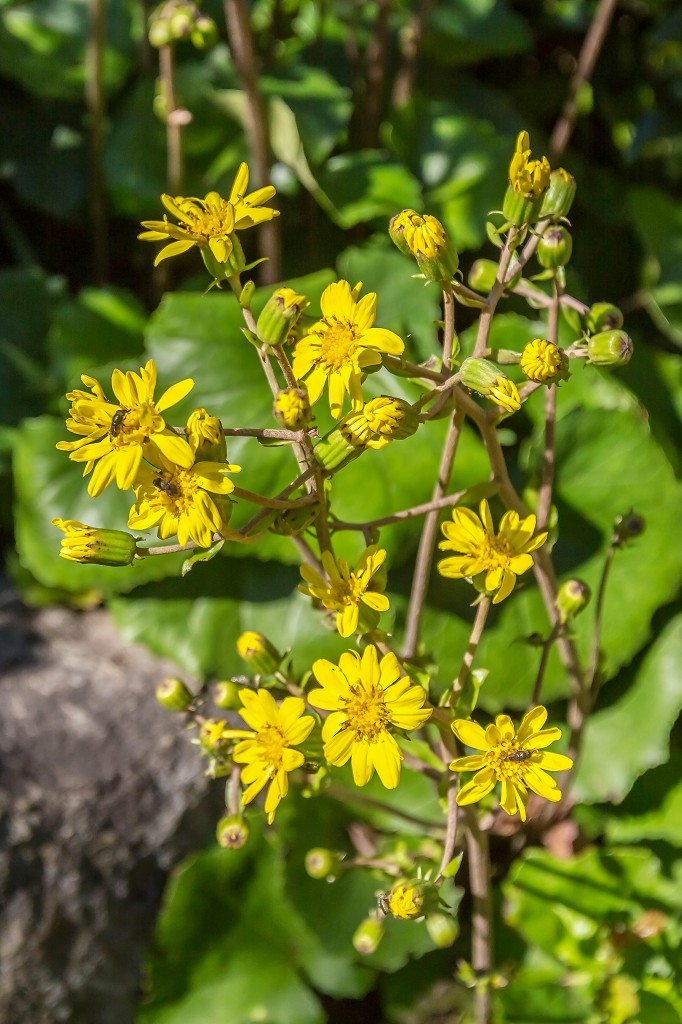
point(117, 422)
point(167, 487)
point(519, 756)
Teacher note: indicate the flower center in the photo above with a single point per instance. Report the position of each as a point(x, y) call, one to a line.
point(495, 552)
point(510, 760)
point(367, 713)
point(214, 222)
point(272, 742)
point(133, 426)
point(175, 492)
point(349, 591)
point(338, 344)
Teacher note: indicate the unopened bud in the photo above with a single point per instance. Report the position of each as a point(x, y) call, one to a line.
point(528, 182)
point(573, 596)
point(204, 35)
point(226, 695)
point(292, 408)
point(442, 928)
point(603, 316)
point(293, 521)
point(483, 275)
point(335, 450)
point(410, 900)
point(259, 654)
point(173, 695)
point(92, 545)
point(558, 198)
point(232, 832)
point(159, 33)
point(628, 527)
point(368, 935)
point(380, 421)
point(279, 315)
point(554, 248)
point(322, 864)
point(181, 24)
point(232, 267)
point(609, 348)
point(205, 437)
point(424, 238)
point(488, 380)
point(544, 362)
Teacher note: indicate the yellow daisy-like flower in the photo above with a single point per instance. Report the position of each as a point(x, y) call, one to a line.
point(365, 697)
point(340, 346)
point(119, 435)
point(346, 590)
point(177, 500)
point(526, 176)
point(543, 361)
point(210, 222)
point(500, 556)
point(516, 759)
point(267, 752)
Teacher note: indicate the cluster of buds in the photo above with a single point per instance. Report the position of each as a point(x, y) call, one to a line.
point(177, 20)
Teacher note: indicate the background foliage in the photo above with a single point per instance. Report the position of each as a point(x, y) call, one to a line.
point(487, 68)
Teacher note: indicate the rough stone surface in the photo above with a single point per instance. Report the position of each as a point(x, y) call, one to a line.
point(101, 793)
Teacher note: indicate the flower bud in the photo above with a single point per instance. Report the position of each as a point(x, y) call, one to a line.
point(558, 198)
point(173, 695)
point(628, 527)
point(279, 315)
point(91, 545)
point(410, 900)
point(205, 437)
point(488, 380)
point(232, 832)
point(554, 248)
point(233, 266)
point(226, 695)
point(181, 23)
point(368, 935)
point(159, 33)
point(609, 348)
point(380, 421)
point(424, 238)
point(322, 864)
point(603, 316)
point(442, 928)
point(528, 182)
point(335, 450)
point(258, 653)
point(573, 596)
point(544, 362)
point(293, 521)
point(292, 408)
point(204, 35)
point(483, 275)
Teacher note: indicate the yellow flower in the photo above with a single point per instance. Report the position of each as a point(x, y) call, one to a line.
point(380, 421)
point(177, 501)
point(88, 544)
point(292, 408)
point(204, 431)
point(267, 752)
point(502, 556)
point(516, 759)
point(119, 435)
point(340, 346)
point(209, 223)
point(505, 394)
point(365, 697)
point(258, 653)
point(526, 176)
point(345, 590)
point(543, 361)
point(423, 236)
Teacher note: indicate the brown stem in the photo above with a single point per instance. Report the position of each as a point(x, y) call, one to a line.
point(95, 103)
point(173, 123)
point(592, 44)
point(350, 796)
point(262, 499)
point(448, 325)
point(427, 541)
point(474, 639)
point(407, 513)
point(451, 824)
point(274, 433)
point(403, 85)
point(542, 667)
point(486, 317)
point(482, 914)
point(548, 454)
point(255, 125)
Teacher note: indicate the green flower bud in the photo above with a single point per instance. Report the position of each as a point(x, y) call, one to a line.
point(368, 935)
point(322, 864)
point(573, 596)
point(424, 238)
point(442, 928)
point(554, 248)
point(293, 521)
point(205, 437)
point(204, 35)
point(410, 900)
point(603, 316)
point(628, 527)
point(488, 380)
point(173, 695)
point(181, 23)
point(558, 198)
point(483, 275)
point(528, 182)
point(159, 33)
point(91, 545)
point(609, 348)
point(234, 265)
point(258, 653)
point(279, 316)
point(226, 695)
point(335, 450)
point(292, 408)
point(232, 832)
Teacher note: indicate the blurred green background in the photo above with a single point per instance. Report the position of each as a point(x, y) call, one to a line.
point(360, 127)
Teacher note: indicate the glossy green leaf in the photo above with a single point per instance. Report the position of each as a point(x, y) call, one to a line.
point(367, 185)
point(475, 30)
point(321, 107)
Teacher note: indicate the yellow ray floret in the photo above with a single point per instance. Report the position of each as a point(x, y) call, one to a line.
point(347, 591)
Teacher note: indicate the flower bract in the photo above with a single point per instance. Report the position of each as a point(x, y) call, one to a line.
point(517, 759)
point(340, 346)
point(267, 753)
point(346, 590)
point(115, 437)
point(365, 697)
point(500, 556)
